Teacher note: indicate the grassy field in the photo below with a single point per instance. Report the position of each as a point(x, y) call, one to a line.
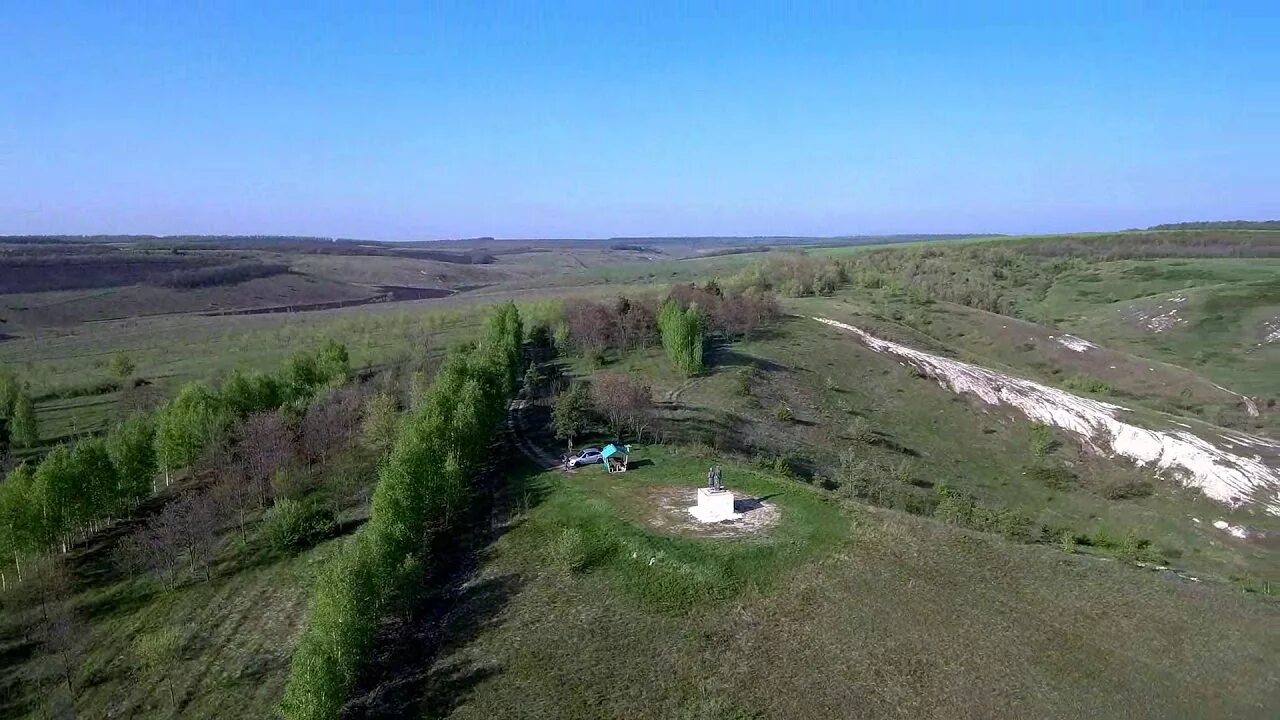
point(842, 611)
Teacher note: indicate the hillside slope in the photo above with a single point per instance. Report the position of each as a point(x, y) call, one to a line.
point(891, 616)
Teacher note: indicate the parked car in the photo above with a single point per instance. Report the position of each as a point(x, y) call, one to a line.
point(585, 456)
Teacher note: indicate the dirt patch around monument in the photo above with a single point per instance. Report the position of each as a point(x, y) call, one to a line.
point(669, 512)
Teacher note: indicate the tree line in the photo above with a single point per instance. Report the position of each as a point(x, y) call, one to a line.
point(228, 274)
point(76, 488)
point(423, 485)
point(682, 322)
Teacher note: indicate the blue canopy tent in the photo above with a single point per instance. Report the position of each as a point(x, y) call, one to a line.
point(615, 457)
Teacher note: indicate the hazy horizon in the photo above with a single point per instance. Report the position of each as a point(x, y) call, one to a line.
point(407, 123)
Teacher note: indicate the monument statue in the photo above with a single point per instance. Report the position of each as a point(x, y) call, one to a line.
point(715, 503)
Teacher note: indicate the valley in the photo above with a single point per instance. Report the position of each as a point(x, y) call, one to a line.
point(1008, 477)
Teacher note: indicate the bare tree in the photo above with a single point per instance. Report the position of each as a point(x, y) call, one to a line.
point(264, 443)
point(201, 523)
point(65, 640)
point(49, 583)
point(189, 527)
point(218, 457)
point(156, 547)
point(625, 401)
point(329, 424)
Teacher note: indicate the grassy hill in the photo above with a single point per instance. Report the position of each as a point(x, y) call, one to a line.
point(843, 611)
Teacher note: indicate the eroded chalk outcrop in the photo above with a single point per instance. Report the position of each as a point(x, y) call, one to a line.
point(1236, 476)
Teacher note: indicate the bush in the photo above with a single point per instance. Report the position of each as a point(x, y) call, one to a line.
point(1087, 384)
point(568, 551)
point(291, 482)
point(782, 413)
point(1125, 489)
point(901, 473)
point(296, 525)
point(1042, 440)
point(1050, 475)
point(122, 366)
point(954, 510)
point(780, 465)
point(859, 431)
point(1014, 525)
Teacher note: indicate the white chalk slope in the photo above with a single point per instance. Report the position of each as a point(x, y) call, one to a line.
point(1233, 478)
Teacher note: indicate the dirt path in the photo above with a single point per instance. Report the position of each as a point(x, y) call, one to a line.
point(1231, 467)
point(516, 426)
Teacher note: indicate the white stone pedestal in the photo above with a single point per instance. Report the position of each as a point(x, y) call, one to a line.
point(713, 506)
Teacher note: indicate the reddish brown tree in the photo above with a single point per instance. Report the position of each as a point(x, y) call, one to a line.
point(625, 402)
point(638, 324)
point(592, 326)
point(330, 424)
point(743, 314)
point(265, 444)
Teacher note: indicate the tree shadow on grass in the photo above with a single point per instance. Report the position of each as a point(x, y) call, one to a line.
point(746, 505)
point(413, 670)
point(722, 431)
point(412, 678)
point(887, 442)
point(723, 356)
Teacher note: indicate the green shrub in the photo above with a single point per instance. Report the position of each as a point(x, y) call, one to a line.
point(291, 482)
point(1042, 440)
point(1125, 488)
point(1087, 384)
point(1051, 475)
point(296, 525)
point(902, 473)
point(954, 510)
point(1015, 525)
point(9, 389)
point(859, 430)
point(155, 653)
point(568, 551)
point(782, 413)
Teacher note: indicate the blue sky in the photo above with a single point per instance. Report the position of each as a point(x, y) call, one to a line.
point(588, 120)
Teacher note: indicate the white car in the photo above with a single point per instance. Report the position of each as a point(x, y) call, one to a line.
point(585, 456)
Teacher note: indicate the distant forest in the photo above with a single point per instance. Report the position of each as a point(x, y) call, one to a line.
point(1221, 225)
